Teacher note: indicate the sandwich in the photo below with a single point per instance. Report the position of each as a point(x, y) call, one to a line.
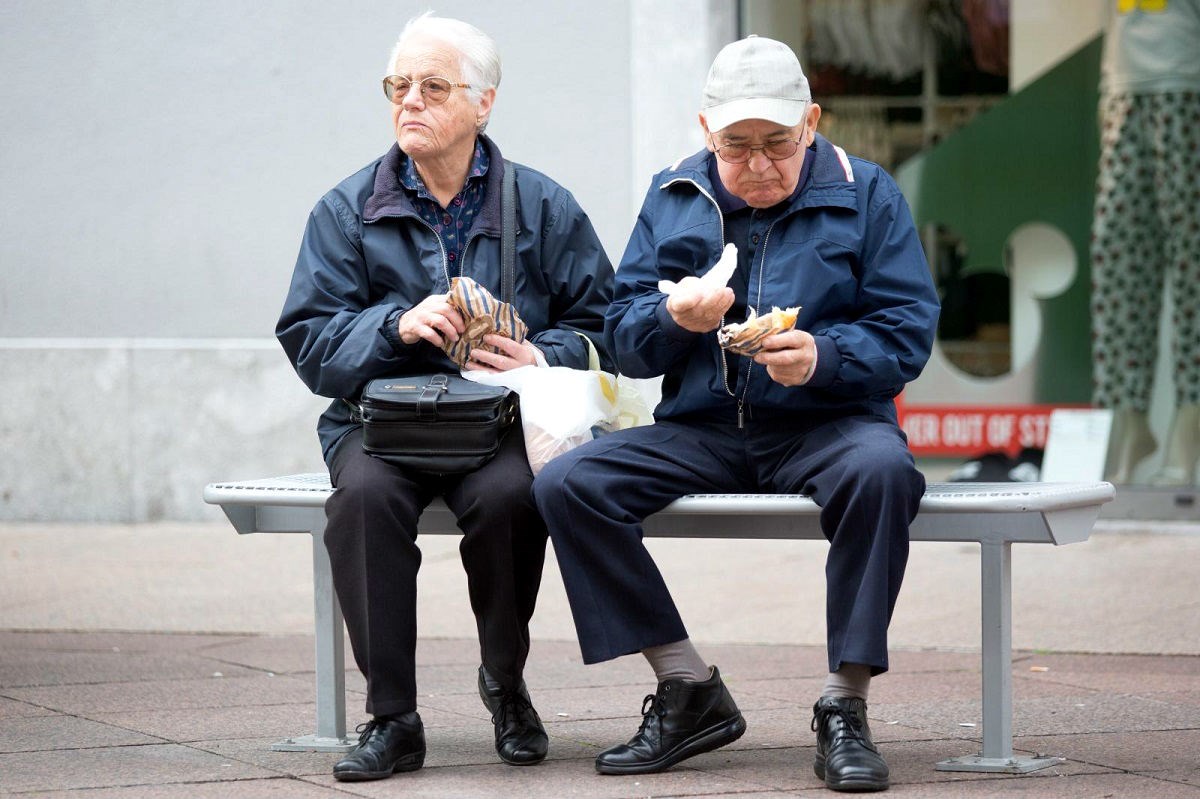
point(745, 338)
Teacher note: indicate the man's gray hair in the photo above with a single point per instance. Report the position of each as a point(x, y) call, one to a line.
point(479, 58)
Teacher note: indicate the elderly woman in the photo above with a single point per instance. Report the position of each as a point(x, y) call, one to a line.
point(368, 299)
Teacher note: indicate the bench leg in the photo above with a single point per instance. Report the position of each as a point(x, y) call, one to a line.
point(331, 674)
point(996, 596)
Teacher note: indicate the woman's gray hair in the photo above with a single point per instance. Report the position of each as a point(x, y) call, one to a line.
point(479, 58)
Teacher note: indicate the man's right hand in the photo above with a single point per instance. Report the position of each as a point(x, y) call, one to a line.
point(433, 319)
point(696, 307)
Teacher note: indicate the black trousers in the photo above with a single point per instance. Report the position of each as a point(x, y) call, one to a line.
point(371, 538)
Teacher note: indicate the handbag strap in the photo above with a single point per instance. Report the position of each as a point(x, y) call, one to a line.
point(508, 232)
point(427, 400)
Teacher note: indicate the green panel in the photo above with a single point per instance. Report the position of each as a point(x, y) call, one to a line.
point(1032, 158)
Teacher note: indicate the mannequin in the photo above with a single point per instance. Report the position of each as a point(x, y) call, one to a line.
point(1144, 235)
point(1131, 442)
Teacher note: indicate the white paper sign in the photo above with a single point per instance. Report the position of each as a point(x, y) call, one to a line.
point(1076, 445)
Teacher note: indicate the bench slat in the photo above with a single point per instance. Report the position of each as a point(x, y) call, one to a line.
point(1057, 513)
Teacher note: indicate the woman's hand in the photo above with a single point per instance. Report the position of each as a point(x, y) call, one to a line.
point(511, 355)
point(433, 319)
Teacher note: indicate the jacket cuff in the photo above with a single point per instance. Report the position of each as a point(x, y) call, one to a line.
point(391, 332)
point(827, 363)
point(669, 326)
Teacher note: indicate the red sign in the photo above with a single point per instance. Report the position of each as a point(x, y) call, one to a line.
point(960, 430)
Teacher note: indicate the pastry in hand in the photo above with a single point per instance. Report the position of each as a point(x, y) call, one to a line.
point(745, 338)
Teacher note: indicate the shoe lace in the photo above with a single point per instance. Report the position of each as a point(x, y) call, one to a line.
point(852, 725)
point(365, 729)
point(653, 708)
point(513, 704)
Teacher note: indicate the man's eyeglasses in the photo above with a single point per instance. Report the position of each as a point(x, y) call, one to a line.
point(741, 153)
point(435, 90)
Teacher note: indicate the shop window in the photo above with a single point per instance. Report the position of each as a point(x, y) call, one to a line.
point(892, 77)
point(974, 330)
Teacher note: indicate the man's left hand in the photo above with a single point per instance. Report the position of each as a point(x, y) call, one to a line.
point(511, 355)
point(789, 357)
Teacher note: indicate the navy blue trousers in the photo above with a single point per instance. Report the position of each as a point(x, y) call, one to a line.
point(857, 468)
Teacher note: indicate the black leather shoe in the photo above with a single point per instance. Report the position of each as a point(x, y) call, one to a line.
point(520, 737)
point(683, 718)
point(385, 746)
point(846, 756)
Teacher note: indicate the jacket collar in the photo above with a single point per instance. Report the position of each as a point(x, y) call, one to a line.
point(389, 198)
point(829, 182)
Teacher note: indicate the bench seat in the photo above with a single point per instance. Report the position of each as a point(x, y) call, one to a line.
point(994, 515)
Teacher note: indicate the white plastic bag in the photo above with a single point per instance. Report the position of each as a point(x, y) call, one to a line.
point(559, 406)
point(631, 407)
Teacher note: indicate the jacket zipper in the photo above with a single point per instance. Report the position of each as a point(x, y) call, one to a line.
point(741, 401)
point(762, 269)
point(462, 262)
point(442, 247)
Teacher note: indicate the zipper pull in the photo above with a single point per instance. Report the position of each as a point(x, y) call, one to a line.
point(741, 417)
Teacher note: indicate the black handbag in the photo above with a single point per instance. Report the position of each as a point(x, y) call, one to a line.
point(443, 423)
point(436, 423)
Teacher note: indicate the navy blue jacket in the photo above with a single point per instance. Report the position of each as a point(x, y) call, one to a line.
point(367, 257)
point(844, 248)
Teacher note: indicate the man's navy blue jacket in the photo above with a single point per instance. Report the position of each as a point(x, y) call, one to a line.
point(844, 248)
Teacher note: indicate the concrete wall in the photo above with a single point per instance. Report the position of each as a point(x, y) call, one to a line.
point(159, 163)
point(160, 159)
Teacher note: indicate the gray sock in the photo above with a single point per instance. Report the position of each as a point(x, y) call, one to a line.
point(852, 681)
point(677, 660)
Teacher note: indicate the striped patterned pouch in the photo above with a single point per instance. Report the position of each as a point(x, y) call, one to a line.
point(482, 313)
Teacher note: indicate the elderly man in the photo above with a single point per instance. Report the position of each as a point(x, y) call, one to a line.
point(369, 299)
point(811, 412)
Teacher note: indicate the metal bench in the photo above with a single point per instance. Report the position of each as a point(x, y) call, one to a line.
point(994, 515)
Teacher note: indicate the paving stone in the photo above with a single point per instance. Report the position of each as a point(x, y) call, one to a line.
point(206, 723)
point(1118, 741)
point(281, 654)
point(1040, 785)
point(162, 764)
point(1144, 683)
point(783, 727)
point(88, 641)
point(276, 788)
point(15, 709)
point(45, 733)
point(549, 780)
point(916, 761)
point(799, 692)
point(1146, 752)
point(920, 661)
point(257, 752)
point(167, 694)
point(47, 667)
point(1100, 713)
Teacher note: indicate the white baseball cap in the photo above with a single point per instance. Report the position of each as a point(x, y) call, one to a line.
point(755, 78)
